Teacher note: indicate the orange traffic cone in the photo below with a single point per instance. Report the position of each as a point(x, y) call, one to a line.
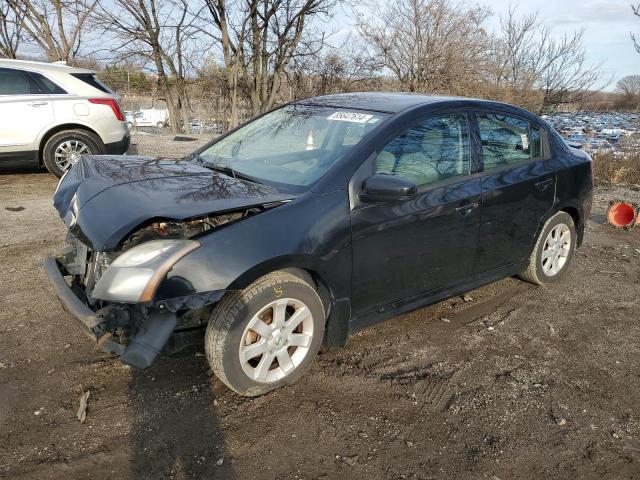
point(622, 214)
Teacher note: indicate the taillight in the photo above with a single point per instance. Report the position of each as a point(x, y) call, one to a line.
point(111, 103)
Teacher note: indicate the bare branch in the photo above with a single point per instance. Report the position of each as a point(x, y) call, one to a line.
point(55, 26)
point(10, 31)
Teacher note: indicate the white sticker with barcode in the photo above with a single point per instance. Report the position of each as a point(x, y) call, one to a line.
point(350, 117)
point(525, 141)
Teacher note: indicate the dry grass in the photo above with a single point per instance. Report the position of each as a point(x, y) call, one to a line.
point(619, 170)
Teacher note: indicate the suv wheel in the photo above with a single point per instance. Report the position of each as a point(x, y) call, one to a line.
point(65, 148)
point(553, 251)
point(266, 335)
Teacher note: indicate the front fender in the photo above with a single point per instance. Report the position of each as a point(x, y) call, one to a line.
point(312, 232)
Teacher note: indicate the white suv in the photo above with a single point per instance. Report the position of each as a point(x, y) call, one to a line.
point(52, 114)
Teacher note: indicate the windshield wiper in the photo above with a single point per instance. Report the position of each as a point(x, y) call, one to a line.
point(226, 169)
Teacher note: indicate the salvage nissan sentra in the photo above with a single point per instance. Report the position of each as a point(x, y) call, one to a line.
point(311, 222)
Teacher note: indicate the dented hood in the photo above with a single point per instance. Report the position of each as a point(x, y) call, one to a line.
point(104, 198)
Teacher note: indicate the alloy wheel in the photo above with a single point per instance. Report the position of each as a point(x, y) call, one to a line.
point(555, 252)
point(276, 340)
point(69, 152)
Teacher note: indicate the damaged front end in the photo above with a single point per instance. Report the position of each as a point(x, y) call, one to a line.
point(130, 219)
point(112, 293)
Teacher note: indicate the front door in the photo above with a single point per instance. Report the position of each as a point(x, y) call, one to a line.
point(26, 111)
point(518, 189)
point(404, 249)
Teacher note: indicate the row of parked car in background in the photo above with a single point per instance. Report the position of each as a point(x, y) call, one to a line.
point(159, 118)
point(598, 131)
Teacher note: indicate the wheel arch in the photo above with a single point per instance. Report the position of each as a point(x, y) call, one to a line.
point(576, 215)
point(337, 310)
point(61, 128)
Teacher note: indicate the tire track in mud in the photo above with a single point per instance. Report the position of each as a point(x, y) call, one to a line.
point(412, 376)
point(476, 310)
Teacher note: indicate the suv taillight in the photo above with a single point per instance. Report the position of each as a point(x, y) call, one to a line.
point(111, 103)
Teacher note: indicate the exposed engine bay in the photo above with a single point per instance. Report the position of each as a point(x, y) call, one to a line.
point(184, 229)
point(87, 266)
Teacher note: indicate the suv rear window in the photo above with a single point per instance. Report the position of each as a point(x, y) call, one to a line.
point(90, 79)
point(47, 85)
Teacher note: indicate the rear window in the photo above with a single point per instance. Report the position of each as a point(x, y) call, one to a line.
point(47, 85)
point(90, 79)
point(508, 140)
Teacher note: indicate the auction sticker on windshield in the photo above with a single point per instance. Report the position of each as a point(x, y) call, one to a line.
point(350, 117)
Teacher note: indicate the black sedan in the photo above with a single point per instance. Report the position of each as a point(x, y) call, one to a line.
point(311, 222)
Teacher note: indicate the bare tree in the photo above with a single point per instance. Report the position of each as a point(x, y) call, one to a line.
point(345, 68)
point(428, 45)
point(629, 85)
point(55, 26)
point(629, 90)
point(10, 31)
point(259, 39)
point(531, 67)
point(229, 37)
point(160, 33)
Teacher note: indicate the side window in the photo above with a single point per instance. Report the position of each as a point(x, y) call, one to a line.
point(49, 87)
point(433, 150)
point(15, 82)
point(508, 140)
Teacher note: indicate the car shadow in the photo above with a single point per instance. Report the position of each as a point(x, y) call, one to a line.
point(175, 426)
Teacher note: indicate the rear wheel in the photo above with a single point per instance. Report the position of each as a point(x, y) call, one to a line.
point(65, 148)
point(266, 335)
point(553, 251)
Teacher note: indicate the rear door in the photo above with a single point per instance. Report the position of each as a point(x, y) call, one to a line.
point(518, 187)
point(406, 248)
point(26, 111)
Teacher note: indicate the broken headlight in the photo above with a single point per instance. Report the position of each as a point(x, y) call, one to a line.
point(135, 275)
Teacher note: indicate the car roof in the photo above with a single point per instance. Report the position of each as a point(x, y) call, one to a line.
point(393, 102)
point(56, 67)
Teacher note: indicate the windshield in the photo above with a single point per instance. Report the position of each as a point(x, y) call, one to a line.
point(293, 145)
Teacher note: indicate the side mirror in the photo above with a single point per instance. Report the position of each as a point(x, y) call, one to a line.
point(387, 188)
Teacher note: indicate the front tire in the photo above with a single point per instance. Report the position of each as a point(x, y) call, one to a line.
point(65, 148)
point(553, 251)
point(267, 335)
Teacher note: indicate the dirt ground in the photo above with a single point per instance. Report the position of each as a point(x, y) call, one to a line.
point(515, 382)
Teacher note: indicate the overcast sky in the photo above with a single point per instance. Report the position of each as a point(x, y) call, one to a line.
point(606, 23)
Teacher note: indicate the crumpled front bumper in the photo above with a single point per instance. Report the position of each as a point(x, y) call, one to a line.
point(154, 326)
point(88, 319)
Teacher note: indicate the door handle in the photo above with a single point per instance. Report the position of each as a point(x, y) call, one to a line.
point(38, 104)
point(544, 184)
point(467, 208)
